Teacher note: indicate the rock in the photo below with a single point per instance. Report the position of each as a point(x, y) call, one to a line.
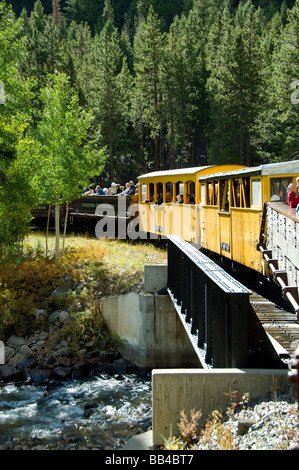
point(59, 315)
point(63, 344)
point(244, 425)
point(8, 372)
point(124, 366)
point(40, 313)
point(61, 352)
point(89, 409)
point(53, 385)
point(8, 353)
point(15, 342)
point(62, 291)
point(93, 354)
point(49, 360)
point(40, 376)
point(62, 372)
point(37, 345)
point(23, 354)
point(81, 354)
point(27, 363)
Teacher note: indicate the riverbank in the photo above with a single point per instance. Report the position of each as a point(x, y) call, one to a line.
point(50, 317)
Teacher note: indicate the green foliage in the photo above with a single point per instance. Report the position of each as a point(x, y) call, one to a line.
point(16, 196)
point(159, 84)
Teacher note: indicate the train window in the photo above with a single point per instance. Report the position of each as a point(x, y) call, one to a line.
point(241, 192)
point(169, 191)
point(191, 191)
point(212, 193)
point(278, 189)
point(143, 192)
point(179, 189)
point(256, 191)
point(203, 194)
point(159, 193)
point(151, 191)
point(236, 194)
point(224, 195)
point(246, 192)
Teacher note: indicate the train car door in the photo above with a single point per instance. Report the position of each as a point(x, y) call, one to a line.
point(225, 219)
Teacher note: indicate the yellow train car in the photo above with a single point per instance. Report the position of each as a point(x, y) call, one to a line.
point(168, 201)
point(231, 208)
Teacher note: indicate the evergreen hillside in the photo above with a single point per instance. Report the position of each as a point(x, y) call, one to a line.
point(157, 85)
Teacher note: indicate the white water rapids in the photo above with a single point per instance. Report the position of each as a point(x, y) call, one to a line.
point(100, 412)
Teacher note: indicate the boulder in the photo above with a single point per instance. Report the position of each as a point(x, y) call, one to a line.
point(63, 290)
point(60, 315)
point(21, 356)
point(62, 372)
point(8, 372)
point(8, 353)
point(40, 376)
point(15, 342)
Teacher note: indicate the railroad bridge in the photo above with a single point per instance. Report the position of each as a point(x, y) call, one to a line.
point(245, 343)
point(228, 324)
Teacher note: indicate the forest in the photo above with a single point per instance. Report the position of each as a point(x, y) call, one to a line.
point(117, 88)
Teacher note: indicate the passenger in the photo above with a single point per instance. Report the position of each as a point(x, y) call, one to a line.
point(160, 200)
point(118, 189)
point(112, 189)
point(179, 199)
point(149, 199)
point(131, 189)
point(99, 191)
point(125, 191)
point(297, 187)
point(293, 200)
point(90, 191)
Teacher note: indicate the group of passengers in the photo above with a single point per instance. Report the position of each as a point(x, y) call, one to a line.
point(115, 189)
point(293, 195)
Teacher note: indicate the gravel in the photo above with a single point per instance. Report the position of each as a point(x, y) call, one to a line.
point(269, 423)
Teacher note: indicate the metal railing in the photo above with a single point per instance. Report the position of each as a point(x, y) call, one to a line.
point(212, 305)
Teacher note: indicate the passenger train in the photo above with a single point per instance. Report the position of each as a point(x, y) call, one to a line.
point(218, 208)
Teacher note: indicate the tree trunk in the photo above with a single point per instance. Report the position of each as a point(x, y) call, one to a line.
point(157, 152)
point(57, 214)
point(47, 230)
point(64, 229)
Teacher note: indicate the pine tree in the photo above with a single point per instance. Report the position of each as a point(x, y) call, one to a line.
point(148, 62)
point(56, 11)
point(109, 92)
point(285, 87)
point(236, 86)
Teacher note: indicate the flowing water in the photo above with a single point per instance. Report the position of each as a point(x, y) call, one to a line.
point(100, 412)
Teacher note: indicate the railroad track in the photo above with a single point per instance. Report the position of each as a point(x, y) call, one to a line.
point(280, 324)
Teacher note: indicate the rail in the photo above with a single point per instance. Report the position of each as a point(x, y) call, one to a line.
point(276, 246)
point(212, 305)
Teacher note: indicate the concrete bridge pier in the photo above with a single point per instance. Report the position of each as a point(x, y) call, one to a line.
point(152, 333)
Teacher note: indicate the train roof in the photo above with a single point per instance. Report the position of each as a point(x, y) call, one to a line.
point(281, 168)
point(188, 171)
point(177, 171)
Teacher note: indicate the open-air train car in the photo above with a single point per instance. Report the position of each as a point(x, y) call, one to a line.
point(222, 207)
point(169, 201)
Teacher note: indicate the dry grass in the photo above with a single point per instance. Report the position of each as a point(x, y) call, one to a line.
point(98, 268)
point(121, 261)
